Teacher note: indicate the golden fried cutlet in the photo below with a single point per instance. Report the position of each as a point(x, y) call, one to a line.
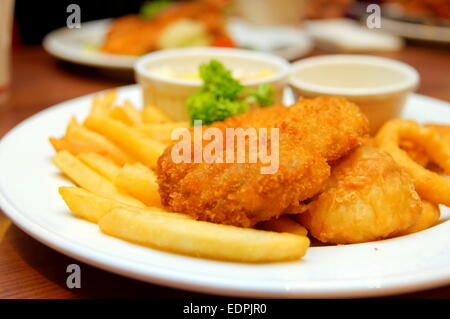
point(312, 133)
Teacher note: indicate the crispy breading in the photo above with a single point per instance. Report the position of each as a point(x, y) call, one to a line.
point(312, 133)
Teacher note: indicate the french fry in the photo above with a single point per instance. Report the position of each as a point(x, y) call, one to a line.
point(126, 113)
point(74, 147)
point(284, 224)
point(86, 204)
point(153, 114)
point(203, 239)
point(93, 207)
point(101, 164)
point(161, 131)
point(73, 124)
point(92, 181)
point(140, 182)
point(76, 133)
point(130, 140)
point(102, 103)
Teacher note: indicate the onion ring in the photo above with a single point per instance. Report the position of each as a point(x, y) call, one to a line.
point(416, 152)
point(442, 129)
point(429, 185)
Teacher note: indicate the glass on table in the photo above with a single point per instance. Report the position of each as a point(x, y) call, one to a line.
point(272, 12)
point(6, 17)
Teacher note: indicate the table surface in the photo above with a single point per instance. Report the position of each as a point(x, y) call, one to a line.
point(28, 269)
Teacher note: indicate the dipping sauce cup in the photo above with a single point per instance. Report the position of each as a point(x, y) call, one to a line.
point(379, 86)
point(169, 77)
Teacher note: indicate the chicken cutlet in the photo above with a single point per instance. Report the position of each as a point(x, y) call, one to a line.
point(312, 133)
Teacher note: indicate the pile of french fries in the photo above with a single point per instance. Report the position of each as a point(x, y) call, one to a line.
point(111, 157)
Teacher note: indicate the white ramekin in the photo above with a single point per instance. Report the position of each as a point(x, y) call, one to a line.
point(379, 86)
point(170, 94)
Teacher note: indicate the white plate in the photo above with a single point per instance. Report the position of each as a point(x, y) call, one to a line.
point(416, 31)
point(29, 196)
point(70, 44)
point(406, 29)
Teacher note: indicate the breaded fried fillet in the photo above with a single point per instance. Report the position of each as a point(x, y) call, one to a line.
point(368, 197)
point(312, 133)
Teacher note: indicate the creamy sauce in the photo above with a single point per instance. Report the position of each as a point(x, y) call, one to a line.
point(238, 74)
point(350, 75)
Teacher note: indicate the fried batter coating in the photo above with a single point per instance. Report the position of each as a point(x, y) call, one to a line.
point(311, 133)
point(417, 153)
point(368, 197)
point(428, 217)
point(442, 129)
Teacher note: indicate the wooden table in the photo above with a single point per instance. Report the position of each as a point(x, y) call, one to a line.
point(29, 269)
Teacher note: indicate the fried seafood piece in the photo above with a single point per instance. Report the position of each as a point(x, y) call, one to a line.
point(312, 133)
point(428, 217)
point(368, 197)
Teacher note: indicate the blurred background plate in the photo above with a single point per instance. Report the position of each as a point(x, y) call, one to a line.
point(421, 20)
point(416, 31)
point(81, 45)
point(286, 41)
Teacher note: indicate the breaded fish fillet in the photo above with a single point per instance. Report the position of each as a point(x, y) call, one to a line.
point(312, 133)
point(368, 197)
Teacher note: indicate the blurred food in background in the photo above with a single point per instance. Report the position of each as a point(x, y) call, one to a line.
point(287, 28)
point(327, 9)
point(417, 20)
point(422, 10)
point(271, 12)
point(165, 24)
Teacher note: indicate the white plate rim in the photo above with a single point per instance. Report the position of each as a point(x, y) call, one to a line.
point(52, 44)
point(416, 31)
point(426, 280)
